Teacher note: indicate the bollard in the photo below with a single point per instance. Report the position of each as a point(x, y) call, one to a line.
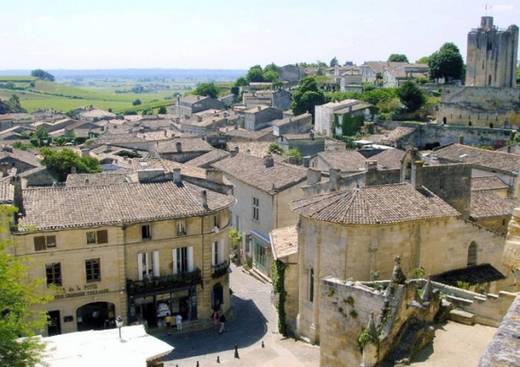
point(236, 352)
point(218, 359)
point(197, 363)
point(263, 346)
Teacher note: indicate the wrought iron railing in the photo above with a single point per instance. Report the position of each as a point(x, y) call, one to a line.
point(220, 269)
point(163, 283)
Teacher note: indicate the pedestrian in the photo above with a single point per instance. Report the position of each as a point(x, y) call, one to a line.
point(222, 322)
point(168, 320)
point(178, 322)
point(215, 318)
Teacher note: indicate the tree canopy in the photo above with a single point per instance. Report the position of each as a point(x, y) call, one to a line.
point(60, 163)
point(12, 105)
point(334, 62)
point(306, 96)
point(256, 74)
point(446, 63)
point(207, 90)
point(423, 60)
point(42, 74)
point(397, 58)
point(18, 296)
point(411, 96)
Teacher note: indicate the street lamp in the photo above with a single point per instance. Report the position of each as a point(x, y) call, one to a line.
point(119, 324)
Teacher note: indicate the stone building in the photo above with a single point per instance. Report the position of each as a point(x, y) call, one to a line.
point(182, 149)
point(492, 55)
point(263, 188)
point(139, 250)
point(355, 234)
point(293, 124)
point(328, 116)
point(188, 105)
point(259, 117)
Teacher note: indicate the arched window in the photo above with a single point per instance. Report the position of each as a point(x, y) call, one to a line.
point(472, 254)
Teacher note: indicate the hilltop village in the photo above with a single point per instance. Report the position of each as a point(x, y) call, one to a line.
point(366, 211)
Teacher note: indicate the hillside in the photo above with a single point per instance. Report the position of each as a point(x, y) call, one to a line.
point(38, 94)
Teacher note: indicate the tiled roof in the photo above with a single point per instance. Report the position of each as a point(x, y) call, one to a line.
point(291, 119)
point(478, 157)
point(208, 158)
point(187, 145)
point(6, 191)
point(252, 171)
point(284, 241)
point(86, 179)
point(256, 148)
point(247, 134)
point(20, 155)
point(56, 208)
point(346, 160)
point(486, 203)
point(381, 204)
point(488, 183)
point(389, 158)
point(390, 137)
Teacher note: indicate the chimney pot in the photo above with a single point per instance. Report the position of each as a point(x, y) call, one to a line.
point(177, 177)
point(204, 196)
point(178, 145)
point(268, 161)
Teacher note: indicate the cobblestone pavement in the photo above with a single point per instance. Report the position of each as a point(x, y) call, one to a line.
point(254, 320)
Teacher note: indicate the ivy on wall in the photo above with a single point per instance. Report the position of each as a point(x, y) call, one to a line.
point(278, 276)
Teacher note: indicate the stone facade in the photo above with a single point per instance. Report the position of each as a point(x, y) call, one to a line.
point(492, 55)
point(260, 117)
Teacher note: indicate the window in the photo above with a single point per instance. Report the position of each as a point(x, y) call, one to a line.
point(181, 227)
point(93, 270)
point(472, 254)
point(44, 242)
point(256, 209)
point(148, 265)
point(217, 253)
point(146, 232)
point(237, 222)
point(97, 237)
point(182, 260)
point(311, 285)
point(216, 221)
point(53, 273)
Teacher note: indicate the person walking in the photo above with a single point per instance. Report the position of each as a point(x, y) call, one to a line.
point(178, 322)
point(215, 318)
point(222, 324)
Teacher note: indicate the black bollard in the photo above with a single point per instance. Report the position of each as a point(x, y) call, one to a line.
point(236, 352)
point(218, 359)
point(197, 363)
point(263, 346)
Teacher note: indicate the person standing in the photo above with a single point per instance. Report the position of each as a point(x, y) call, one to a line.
point(178, 322)
point(222, 323)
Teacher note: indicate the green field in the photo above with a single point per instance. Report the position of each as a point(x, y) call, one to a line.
point(61, 97)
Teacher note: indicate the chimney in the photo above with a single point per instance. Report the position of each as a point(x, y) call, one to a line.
point(85, 152)
point(416, 175)
point(259, 108)
point(178, 145)
point(313, 176)
point(311, 134)
point(199, 118)
point(214, 175)
point(18, 197)
point(461, 139)
point(204, 197)
point(268, 161)
point(371, 165)
point(333, 178)
point(177, 177)
point(234, 152)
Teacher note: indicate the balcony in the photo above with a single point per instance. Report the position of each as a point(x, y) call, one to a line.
point(163, 284)
point(220, 270)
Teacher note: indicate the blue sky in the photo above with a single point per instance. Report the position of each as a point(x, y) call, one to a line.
point(231, 34)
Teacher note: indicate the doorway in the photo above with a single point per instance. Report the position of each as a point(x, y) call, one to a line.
point(95, 316)
point(217, 296)
point(53, 323)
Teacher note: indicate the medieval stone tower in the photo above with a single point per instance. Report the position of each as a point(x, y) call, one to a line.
point(492, 55)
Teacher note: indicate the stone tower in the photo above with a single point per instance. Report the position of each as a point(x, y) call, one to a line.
point(492, 55)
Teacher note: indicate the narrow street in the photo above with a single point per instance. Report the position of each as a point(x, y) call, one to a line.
point(254, 320)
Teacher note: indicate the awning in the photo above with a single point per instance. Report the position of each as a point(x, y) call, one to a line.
point(477, 274)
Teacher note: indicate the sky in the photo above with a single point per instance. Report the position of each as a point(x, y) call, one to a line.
point(231, 34)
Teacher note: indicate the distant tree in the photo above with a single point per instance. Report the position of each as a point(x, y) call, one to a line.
point(411, 96)
point(42, 74)
point(136, 102)
point(60, 163)
point(423, 60)
point(162, 110)
point(334, 62)
point(446, 63)
point(14, 104)
point(255, 74)
point(397, 58)
point(306, 96)
point(240, 82)
point(295, 153)
point(274, 149)
point(18, 298)
point(4, 108)
point(40, 137)
point(207, 89)
point(271, 72)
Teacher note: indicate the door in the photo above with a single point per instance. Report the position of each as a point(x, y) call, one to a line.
point(54, 323)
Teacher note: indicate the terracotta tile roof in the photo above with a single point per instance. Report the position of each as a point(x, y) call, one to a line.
point(167, 165)
point(6, 191)
point(486, 203)
point(208, 158)
point(488, 183)
point(284, 241)
point(478, 157)
point(252, 171)
point(346, 160)
point(389, 158)
point(86, 179)
point(54, 208)
point(256, 148)
point(187, 145)
point(20, 155)
point(381, 204)
point(390, 137)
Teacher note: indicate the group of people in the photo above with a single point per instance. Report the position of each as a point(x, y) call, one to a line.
point(219, 321)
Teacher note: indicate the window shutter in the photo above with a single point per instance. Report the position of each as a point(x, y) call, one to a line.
point(213, 250)
point(155, 263)
point(39, 243)
point(147, 263)
point(190, 258)
point(102, 236)
point(174, 260)
point(221, 253)
point(140, 266)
